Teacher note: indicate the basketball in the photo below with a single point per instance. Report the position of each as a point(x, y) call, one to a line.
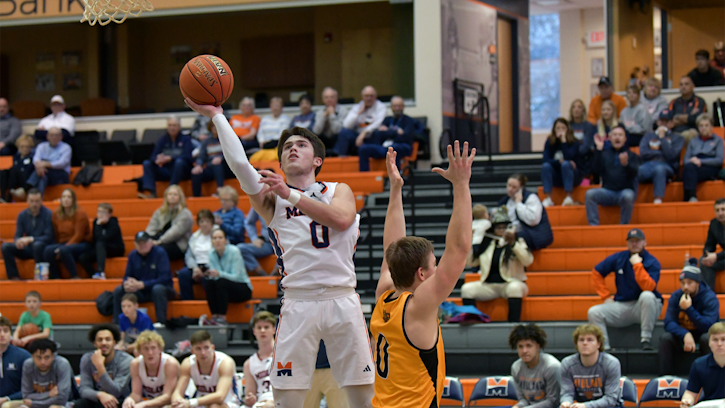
point(206, 80)
point(27, 329)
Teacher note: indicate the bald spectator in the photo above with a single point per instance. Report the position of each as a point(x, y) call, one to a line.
point(718, 61)
point(170, 160)
point(606, 93)
point(52, 162)
point(686, 109)
point(360, 123)
point(328, 121)
point(306, 118)
point(10, 129)
point(246, 124)
point(397, 131)
point(58, 119)
point(704, 74)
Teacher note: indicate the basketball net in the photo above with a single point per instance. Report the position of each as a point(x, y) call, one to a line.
point(105, 11)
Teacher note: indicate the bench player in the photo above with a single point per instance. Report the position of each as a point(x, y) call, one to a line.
point(315, 228)
point(408, 348)
point(153, 373)
point(258, 387)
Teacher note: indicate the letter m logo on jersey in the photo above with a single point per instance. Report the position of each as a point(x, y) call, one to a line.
point(284, 370)
point(668, 388)
point(497, 387)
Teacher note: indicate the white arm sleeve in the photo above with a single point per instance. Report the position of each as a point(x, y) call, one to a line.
point(236, 157)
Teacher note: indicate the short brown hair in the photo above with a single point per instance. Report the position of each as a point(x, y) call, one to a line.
point(634, 88)
point(131, 298)
point(204, 214)
point(589, 329)
point(5, 322)
point(107, 207)
point(199, 337)
point(149, 336)
point(405, 256)
point(717, 328)
point(25, 138)
point(232, 193)
point(317, 144)
point(34, 294)
point(264, 316)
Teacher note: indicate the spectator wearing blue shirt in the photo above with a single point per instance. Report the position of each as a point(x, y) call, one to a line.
point(132, 321)
point(260, 246)
point(230, 218)
point(708, 372)
point(52, 162)
point(14, 179)
point(637, 300)
point(306, 118)
point(660, 153)
point(562, 160)
point(148, 275)
point(397, 131)
point(33, 232)
point(691, 311)
point(170, 160)
point(11, 364)
point(210, 164)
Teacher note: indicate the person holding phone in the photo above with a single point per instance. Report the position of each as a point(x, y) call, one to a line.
point(527, 213)
point(197, 255)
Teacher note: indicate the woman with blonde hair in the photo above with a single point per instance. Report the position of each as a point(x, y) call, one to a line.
point(72, 236)
point(170, 225)
point(608, 119)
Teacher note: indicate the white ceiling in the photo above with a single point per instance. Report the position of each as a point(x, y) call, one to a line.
point(555, 6)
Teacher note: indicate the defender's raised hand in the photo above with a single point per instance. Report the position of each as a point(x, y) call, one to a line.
point(459, 164)
point(396, 181)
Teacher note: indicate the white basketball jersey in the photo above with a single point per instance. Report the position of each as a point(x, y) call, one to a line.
point(153, 385)
point(206, 384)
point(260, 370)
point(312, 256)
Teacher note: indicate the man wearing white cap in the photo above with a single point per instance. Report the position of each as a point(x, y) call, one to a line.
point(59, 119)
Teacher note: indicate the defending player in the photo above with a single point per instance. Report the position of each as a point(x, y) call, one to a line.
point(153, 373)
point(212, 373)
point(314, 230)
point(258, 388)
point(409, 356)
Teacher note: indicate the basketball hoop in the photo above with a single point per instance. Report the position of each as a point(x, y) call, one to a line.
point(105, 11)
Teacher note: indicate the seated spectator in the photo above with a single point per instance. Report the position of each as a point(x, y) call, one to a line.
point(718, 60)
point(606, 93)
point(148, 276)
point(226, 278)
point(562, 160)
point(210, 164)
point(608, 119)
point(306, 118)
point(270, 130)
point(33, 232)
point(259, 246)
point(637, 300)
point(618, 167)
point(11, 364)
point(660, 155)
point(153, 373)
point(197, 255)
point(481, 224)
point(704, 74)
point(257, 367)
point(635, 117)
point(397, 131)
point(72, 236)
point(59, 119)
point(707, 373)
point(652, 99)
point(691, 311)
point(527, 214)
point(590, 373)
point(107, 242)
point(52, 164)
point(131, 322)
point(10, 129)
point(47, 376)
point(170, 160)
point(328, 121)
point(501, 258)
point(170, 225)
point(711, 261)
point(246, 124)
point(230, 218)
point(584, 132)
point(535, 373)
point(14, 179)
point(36, 316)
point(105, 372)
point(200, 130)
point(703, 157)
point(361, 121)
point(686, 108)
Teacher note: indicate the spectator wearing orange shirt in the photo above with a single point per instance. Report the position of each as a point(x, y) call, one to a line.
point(72, 234)
point(606, 92)
point(246, 124)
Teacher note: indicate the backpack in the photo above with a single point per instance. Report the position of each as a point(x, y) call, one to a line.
point(104, 303)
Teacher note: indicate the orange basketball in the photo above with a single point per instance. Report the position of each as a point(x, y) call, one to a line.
point(27, 329)
point(206, 80)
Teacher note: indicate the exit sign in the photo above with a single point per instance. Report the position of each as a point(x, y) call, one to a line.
point(596, 39)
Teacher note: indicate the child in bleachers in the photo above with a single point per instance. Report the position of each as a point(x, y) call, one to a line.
point(132, 321)
point(107, 242)
point(16, 176)
point(481, 223)
point(34, 315)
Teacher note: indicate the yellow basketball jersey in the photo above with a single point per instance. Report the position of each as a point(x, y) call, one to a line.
point(406, 376)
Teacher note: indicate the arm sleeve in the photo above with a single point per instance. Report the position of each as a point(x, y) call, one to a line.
point(38, 156)
point(547, 156)
point(672, 324)
point(26, 384)
point(235, 229)
point(351, 117)
point(154, 223)
point(319, 121)
point(694, 384)
point(709, 316)
point(236, 265)
point(250, 225)
point(189, 259)
point(530, 211)
point(64, 159)
point(645, 151)
point(671, 150)
point(81, 223)
point(567, 385)
point(113, 231)
point(180, 225)
point(86, 388)
point(14, 130)
point(214, 262)
point(632, 168)
point(164, 272)
point(116, 386)
point(158, 148)
point(553, 386)
point(688, 153)
point(129, 265)
point(236, 157)
point(336, 120)
point(523, 402)
point(19, 230)
point(523, 255)
point(645, 279)
point(611, 386)
point(378, 116)
point(600, 272)
point(711, 241)
point(48, 231)
point(720, 154)
point(592, 111)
